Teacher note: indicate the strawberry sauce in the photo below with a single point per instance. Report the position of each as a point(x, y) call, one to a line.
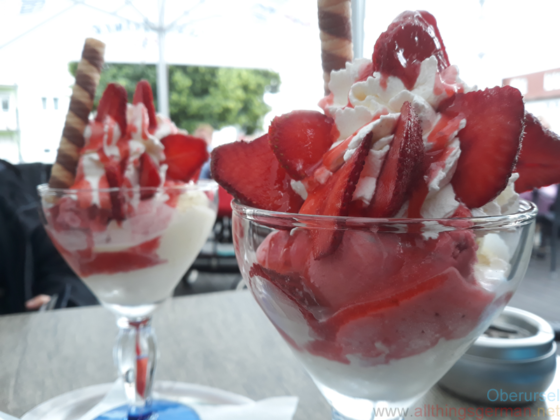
point(74, 230)
point(88, 262)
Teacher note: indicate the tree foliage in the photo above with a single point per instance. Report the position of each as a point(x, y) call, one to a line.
point(218, 96)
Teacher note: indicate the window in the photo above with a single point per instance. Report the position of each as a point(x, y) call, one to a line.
point(5, 104)
point(55, 103)
point(551, 81)
point(44, 103)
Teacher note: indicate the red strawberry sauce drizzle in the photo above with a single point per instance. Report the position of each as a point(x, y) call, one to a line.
point(67, 216)
point(434, 158)
point(88, 263)
point(409, 40)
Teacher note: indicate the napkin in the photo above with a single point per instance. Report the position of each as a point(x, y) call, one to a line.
point(277, 408)
point(4, 416)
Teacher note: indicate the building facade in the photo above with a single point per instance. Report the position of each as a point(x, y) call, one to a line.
point(541, 93)
point(10, 149)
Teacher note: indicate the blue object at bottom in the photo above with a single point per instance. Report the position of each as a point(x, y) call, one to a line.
point(159, 409)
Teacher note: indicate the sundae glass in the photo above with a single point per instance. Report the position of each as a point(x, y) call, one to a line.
point(132, 266)
point(382, 319)
point(130, 223)
point(382, 235)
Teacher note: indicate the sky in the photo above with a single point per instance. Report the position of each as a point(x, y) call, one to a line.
point(488, 40)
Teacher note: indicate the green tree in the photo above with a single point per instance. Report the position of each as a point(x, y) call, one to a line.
point(218, 96)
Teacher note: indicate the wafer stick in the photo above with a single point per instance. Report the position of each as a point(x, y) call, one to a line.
point(81, 103)
point(335, 23)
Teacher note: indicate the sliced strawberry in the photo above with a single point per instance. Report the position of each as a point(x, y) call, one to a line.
point(409, 40)
point(184, 156)
point(251, 173)
point(334, 158)
point(402, 166)
point(490, 141)
point(149, 175)
point(539, 160)
point(143, 94)
point(113, 103)
point(300, 139)
point(114, 178)
point(333, 199)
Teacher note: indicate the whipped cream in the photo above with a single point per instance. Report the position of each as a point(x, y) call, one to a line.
point(372, 167)
point(356, 103)
point(506, 203)
point(360, 105)
point(373, 105)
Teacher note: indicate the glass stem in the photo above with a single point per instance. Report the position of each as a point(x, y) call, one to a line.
point(135, 357)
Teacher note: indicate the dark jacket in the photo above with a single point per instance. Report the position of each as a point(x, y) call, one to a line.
point(29, 263)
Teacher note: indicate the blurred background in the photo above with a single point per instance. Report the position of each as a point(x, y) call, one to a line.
point(254, 59)
point(234, 65)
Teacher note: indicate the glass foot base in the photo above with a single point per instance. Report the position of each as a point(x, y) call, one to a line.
point(159, 409)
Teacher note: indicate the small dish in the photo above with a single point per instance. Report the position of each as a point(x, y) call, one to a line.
point(511, 364)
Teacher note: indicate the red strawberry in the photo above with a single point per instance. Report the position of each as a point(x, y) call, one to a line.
point(143, 94)
point(539, 160)
point(251, 173)
point(149, 175)
point(490, 141)
point(184, 155)
point(114, 178)
point(401, 168)
point(333, 199)
point(409, 40)
point(113, 103)
point(300, 139)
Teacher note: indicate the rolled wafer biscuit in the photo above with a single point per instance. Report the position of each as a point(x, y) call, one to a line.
point(81, 103)
point(335, 24)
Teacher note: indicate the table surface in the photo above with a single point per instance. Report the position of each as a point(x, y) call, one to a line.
point(221, 340)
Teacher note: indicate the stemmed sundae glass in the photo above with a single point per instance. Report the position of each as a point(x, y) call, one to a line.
point(132, 260)
point(381, 319)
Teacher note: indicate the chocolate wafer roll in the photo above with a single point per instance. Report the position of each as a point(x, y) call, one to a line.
point(81, 103)
point(335, 23)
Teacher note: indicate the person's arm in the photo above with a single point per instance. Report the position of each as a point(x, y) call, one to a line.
point(38, 269)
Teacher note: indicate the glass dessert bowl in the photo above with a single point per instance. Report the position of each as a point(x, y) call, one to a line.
point(132, 259)
point(381, 318)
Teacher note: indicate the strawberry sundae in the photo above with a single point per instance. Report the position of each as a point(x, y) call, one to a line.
point(382, 235)
point(133, 220)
